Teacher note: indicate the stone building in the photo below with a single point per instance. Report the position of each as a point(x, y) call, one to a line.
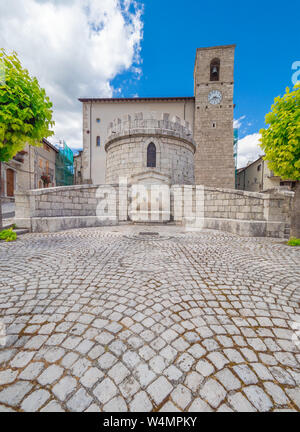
point(32, 168)
point(181, 140)
point(149, 148)
point(257, 177)
point(78, 168)
point(9, 176)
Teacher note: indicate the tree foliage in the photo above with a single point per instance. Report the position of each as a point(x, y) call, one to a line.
point(281, 140)
point(25, 109)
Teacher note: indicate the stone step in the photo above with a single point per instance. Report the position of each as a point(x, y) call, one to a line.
point(153, 223)
point(18, 231)
point(21, 231)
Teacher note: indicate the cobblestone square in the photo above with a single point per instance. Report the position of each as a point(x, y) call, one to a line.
point(106, 319)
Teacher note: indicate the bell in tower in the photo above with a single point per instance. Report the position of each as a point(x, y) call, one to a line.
point(215, 70)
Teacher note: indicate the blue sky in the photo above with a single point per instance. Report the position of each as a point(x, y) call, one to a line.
point(105, 48)
point(266, 33)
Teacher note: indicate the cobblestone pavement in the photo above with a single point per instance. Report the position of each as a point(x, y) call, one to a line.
point(110, 320)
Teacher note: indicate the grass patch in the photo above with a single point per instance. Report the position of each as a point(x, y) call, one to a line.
point(294, 242)
point(8, 235)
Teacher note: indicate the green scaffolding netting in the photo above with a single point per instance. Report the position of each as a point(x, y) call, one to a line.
point(64, 166)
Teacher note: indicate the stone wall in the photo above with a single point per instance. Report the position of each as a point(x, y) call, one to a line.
point(127, 142)
point(213, 127)
point(195, 207)
point(239, 212)
point(128, 158)
point(59, 208)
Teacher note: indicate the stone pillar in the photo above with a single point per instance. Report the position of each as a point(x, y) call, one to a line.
point(24, 209)
point(123, 200)
point(177, 203)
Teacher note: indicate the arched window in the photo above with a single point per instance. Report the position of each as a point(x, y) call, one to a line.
point(151, 156)
point(215, 70)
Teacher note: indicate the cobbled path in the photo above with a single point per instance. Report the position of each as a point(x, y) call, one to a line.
point(110, 320)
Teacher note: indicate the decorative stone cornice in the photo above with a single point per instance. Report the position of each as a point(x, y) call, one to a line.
point(151, 124)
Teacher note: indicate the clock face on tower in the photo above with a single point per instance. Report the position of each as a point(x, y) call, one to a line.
point(215, 97)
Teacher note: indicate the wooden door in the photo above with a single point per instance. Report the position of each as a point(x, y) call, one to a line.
point(10, 186)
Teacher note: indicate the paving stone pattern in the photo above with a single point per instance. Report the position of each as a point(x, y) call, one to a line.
point(107, 320)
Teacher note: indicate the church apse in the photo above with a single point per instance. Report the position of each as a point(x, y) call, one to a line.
point(150, 148)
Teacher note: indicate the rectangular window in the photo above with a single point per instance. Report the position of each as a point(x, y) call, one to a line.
point(259, 168)
point(98, 143)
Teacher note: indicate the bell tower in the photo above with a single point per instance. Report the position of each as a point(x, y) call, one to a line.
point(213, 125)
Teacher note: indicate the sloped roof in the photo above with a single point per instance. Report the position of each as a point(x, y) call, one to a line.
point(146, 99)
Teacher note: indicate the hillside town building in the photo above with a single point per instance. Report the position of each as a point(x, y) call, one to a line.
point(32, 168)
point(257, 177)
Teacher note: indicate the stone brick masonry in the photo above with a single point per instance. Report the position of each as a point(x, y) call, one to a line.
point(127, 142)
point(213, 128)
point(244, 213)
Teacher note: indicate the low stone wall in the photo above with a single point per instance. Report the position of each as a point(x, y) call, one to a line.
point(195, 207)
point(60, 208)
point(239, 212)
point(233, 204)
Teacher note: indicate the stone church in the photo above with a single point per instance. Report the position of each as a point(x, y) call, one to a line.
point(175, 140)
point(165, 143)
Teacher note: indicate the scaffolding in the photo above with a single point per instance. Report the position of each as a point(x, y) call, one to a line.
point(64, 165)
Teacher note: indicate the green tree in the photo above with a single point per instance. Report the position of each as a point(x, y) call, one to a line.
point(281, 144)
point(25, 110)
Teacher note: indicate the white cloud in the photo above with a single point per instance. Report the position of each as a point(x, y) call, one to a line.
point(248, 149)
point(238, 123)
point(75, 48)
